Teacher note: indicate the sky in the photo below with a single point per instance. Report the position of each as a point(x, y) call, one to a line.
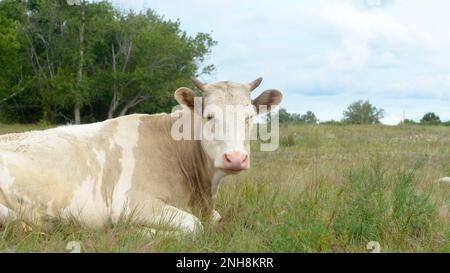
point(325, 54)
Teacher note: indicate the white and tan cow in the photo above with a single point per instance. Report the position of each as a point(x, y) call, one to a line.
point(444, 179)
point(98, 173)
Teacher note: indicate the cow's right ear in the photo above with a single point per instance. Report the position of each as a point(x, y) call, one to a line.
point(185, 96)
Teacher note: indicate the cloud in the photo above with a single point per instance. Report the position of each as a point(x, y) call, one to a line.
point(322, 52)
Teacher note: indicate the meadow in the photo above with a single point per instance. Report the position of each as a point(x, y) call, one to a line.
point(328, 188)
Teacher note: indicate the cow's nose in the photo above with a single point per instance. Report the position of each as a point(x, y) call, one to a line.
point(235, 161)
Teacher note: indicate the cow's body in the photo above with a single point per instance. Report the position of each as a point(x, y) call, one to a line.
point(95, 173)
point(445, 179)
point(126, 167)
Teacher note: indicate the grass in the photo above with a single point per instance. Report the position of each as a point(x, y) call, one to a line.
point(326, 189)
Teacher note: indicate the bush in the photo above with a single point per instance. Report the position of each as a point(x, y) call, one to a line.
point(285, 117)
point(374, 206)
point(408, 122)
point(288, 141)
point(430, 119)
point(362, 112)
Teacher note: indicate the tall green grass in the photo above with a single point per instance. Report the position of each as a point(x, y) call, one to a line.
point(327, 189)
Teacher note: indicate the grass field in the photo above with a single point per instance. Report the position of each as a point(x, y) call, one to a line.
point(326, 189)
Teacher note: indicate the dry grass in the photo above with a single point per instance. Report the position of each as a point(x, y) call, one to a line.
point(326, 189)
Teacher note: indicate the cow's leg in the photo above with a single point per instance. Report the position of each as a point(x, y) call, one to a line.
point(5, 215)
point(155, 212)
point(215, 217)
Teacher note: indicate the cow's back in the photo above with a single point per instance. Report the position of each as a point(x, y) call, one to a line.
point(80, 171)
point(97, 172)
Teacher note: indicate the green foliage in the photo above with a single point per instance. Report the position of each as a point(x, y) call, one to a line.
point(362, 112)
point(408, 122)
point(285, 117)
point(430, 119)
point(121, 63)
point(375, 203)
point(289, 140)
point(309, 118)
point(9, 52)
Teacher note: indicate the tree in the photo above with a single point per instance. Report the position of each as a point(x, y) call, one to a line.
point(408, 122)
point(430, 119)
point(13, 73)
point(309, 118)
point(285, 117)
point(52, 39)
point(362, 112)
point(149, 59)
point(79, 82)
point(91, 61)
point(9, 52)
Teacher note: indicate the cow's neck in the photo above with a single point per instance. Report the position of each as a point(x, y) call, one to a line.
point(215, 183)
point(201, 178)
point(198, 173)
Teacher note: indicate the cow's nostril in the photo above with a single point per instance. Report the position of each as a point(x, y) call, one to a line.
point(227, 158)
point(244, 158)
point(235, 161)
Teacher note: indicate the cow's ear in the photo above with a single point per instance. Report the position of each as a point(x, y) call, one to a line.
point(268, 100)
point(185, 96)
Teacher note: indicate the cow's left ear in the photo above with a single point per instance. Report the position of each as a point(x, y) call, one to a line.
point(185, 96)
point(268, 100)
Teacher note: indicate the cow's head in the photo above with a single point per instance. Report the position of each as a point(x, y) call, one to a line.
point(227, 113)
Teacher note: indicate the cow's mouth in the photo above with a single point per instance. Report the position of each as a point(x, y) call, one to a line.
point(232, 171)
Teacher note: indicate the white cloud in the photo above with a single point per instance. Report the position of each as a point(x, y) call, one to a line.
point(375, 3)
point(393, 52)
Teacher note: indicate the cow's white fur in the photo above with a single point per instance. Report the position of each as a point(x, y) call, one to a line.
point(126, 137)
point(445, 179)
point(6, 180)
point(233, 140)
point(216, 216)
point(49, 210)
point(87, 205)
point(180, 219)
point(4, 212)
point(215, 183)
point(79, 131)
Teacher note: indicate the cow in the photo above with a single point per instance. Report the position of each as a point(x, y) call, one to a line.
point(444, 179)
point(97, 174)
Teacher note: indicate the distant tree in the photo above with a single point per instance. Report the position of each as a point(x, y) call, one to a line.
point(285, 117)
point(408, 122)
point(430, 119)
point(362, 112)
point(309, 118)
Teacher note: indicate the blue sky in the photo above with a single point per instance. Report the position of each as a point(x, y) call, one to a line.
point(325, 54)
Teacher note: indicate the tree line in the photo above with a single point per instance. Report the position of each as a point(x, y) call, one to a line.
point(62, 63)
point(359, 112)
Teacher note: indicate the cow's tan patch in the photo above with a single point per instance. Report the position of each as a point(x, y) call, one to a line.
point(176, 172)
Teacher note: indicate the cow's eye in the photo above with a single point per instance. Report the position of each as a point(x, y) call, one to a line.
point(209, 117)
